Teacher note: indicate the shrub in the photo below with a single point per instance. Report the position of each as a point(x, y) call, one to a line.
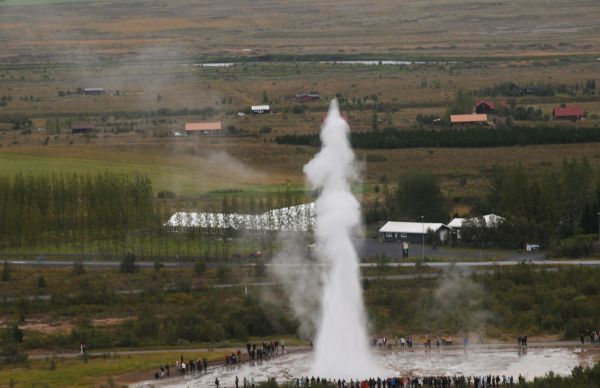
point(577, 246)
point(78, 268)
point(128, 264)
point(200, 268)
point(166, 195)
point(158, 266)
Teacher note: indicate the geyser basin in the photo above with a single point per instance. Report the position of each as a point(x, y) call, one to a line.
point(476, 361)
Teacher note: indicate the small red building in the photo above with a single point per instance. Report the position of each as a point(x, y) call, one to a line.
point(483, 106)
point(567, 113)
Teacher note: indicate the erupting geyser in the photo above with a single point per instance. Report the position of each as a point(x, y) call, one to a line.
point(341, 347)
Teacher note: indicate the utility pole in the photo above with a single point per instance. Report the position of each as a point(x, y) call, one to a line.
point(598, 226)
point(423, 245)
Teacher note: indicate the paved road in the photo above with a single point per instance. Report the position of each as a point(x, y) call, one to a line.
point(460, 264)
point(374, 248)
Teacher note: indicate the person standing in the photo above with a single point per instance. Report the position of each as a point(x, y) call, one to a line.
point(217, 382)
point(237, 382)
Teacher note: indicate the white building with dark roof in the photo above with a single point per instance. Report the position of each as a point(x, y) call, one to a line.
point(260, 109)
point(413, 232)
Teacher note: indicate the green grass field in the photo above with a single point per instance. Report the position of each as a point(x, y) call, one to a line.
point(181, 180)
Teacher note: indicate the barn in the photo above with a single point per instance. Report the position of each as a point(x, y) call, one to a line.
point(81, 128)
point(260, 109)
point(468, 119)
point(208, 128)
point(413, 232)
point(567, 113)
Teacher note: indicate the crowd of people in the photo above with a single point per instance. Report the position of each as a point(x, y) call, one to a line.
point(594, 336)
point(489, 381)
point(182, 367)
point(408, 342)
point(260, 352)
point(267, 350)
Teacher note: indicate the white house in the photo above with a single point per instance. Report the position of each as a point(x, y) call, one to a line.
point(488, 220)
point(260, 109)
point(413, 232)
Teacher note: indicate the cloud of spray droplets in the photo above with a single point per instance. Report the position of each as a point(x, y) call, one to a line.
point(458, 305)
point(298, 271)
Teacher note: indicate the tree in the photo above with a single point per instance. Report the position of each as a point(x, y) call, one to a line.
point(6, 272)
point(419, 195)
point(463, 103)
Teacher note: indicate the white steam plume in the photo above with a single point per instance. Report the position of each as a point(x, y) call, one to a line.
point(342, 349)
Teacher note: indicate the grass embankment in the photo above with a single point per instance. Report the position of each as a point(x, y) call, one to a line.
point(76, 372)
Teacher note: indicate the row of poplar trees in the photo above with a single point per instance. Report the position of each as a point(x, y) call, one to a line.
point(50, 210)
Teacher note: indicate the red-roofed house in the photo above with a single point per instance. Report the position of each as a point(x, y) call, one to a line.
point(483, 106)
point(567, 113)
point(211, 128)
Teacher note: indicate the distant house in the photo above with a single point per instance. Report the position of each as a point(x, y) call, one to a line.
point(81, 128)
point(468, 119)
point(307, 97)
point(413, 232)
point(208, 128)
point(260, 109)
point(567, 113)
point(93, 91)
point(483, 106)
point(488, 220)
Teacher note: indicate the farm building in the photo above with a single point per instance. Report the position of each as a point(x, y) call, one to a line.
point(413, 232)
point(567, 113)
point(260, 109)
point(307, 97)
point(488, 220)
point(483, 106)
point(81, 128)
point(299, 218)
point(209, 128)
point(93, 91)
point(468, 119)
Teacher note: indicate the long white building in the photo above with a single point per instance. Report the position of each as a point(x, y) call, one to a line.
point(299, 218)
